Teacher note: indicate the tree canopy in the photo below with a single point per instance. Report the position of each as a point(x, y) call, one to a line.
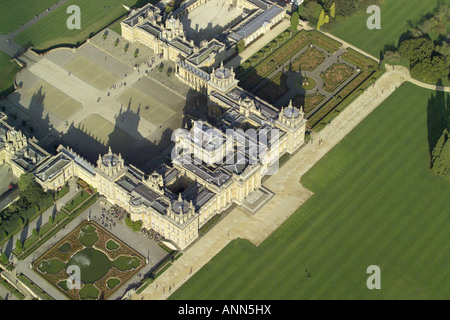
point(426, 63)
point(29, 189)
point(294, 21)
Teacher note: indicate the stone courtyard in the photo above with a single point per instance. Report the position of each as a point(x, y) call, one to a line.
point(99, 95)
point(210, 19)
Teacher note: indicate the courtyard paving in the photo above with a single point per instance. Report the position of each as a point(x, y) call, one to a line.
point(98, 85)
point(209, 20)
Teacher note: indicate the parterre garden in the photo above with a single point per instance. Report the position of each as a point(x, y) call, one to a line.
point(309, 60)
point(277, 52)
point(282, 49)
point(309, 102)
point(274, 89)
point(105, 262)
point(367, 75)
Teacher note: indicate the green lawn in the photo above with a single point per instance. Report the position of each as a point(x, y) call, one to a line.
point(375, 203)
point(8, 71)
point(14, 13)
point(52, 30)
point(395, 15)
point(79, 198)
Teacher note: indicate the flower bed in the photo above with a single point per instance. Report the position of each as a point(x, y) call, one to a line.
point(262, 67)
point(309, 60)
point(308, 102)
point(335, 75)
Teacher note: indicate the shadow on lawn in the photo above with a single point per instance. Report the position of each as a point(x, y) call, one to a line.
point(438, 116)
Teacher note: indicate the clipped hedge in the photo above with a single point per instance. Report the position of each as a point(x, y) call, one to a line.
point(34, 287)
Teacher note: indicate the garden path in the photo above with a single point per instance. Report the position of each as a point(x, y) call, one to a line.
point(289, 193)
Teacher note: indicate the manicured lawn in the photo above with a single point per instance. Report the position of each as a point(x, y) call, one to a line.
point(375, 203)
point(395, 15)
point(93, 264)
point(89, 292)
point(306, 83)
point(14, 13)
point(112, 283)
point(111, 245)
point(52, 30)
point(8, 71)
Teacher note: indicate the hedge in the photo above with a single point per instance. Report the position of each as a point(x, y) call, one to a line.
point(12, 289)
point(66, 220)
point(34, 287)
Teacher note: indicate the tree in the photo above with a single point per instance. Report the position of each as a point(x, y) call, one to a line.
point(169, 9)
point(136, 226)
point(333, 10)
point(440, 158)
point(19, 245)
point(35, 233)
point(310, 12)
point(416, 49)
point(294, 21)
point(50, 219)
point(346, 7)
point(426, 64)
point(321, 19)
point(240, 46)
point(430, 70)
point(4, 259)
point(29, 188)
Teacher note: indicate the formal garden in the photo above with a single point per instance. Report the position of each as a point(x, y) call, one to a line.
point(78, 204)
point(104, 261)
point(335, 75)
point(309, 102)
point(309, 60)
point(313, 70)
point(274, 89)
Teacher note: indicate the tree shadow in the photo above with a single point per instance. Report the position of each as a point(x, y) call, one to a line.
point(438, 116)
point(39, 222)
point(9, 246)
point(24, 233)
